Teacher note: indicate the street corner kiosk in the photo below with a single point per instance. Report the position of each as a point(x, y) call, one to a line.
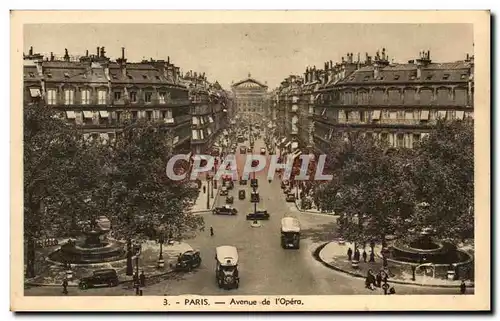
point(290, 233)
point(226, 269)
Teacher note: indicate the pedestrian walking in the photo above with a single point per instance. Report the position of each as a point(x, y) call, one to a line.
point(142, 279)
point(349, 254)
point(384, 276)
point(379, 279)
point(372, 257)
point(392, 290)
point(65, 287)
point(463, 287)
point(364, 256)
point(136, 279)
point(204, 189)
point(211, 231)
point(357, 255)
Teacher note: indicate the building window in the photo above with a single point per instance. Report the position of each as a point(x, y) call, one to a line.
point(393, 115)
point(85, 97)
point(147, 97)
point(133, 96)
point(69, 97)
point(161, 97)
point(195, 134)
point(101, 97)
point(118, 95)
point(134, 115)
point(400, 140)
point(168, 116)
point(416, 139)
point(51, 96)
point(149, 114)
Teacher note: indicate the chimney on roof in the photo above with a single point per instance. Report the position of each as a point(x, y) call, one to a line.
point(168, 59)
point(66, 55)
point(423, 61)
point(123, 52)
point(331, 64)
point(342, 59)
point(51, 56)
point(103, 52)
point(97, 53)
point(86, 53)
point(31, 51)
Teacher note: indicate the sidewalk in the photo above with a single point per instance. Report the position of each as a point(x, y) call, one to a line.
point(201, 202)
point(55, 273)
point(334, 255)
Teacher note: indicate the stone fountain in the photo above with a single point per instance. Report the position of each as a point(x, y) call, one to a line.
point(93, 247)
point(425, 250)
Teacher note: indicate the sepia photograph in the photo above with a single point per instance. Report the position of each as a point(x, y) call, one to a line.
point(250, 162)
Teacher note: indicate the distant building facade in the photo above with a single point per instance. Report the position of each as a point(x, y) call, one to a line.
point(396, 103)
point(250, 97)
point(98, 94)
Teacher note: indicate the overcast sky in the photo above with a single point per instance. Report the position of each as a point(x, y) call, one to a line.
point(270, 52)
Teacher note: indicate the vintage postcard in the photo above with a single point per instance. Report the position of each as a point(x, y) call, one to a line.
point(250, 161)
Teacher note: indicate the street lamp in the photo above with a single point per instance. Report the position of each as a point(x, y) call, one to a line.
point(138, 252)
point(209, 178)
point(161, 240)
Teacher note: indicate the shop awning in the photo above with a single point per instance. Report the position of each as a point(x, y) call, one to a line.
point(288, 144)
point(70, 115)
point(283, 140)
point(376, 115)
point(442, 114)
point(88, 114)
point(210, 119)
point(295, 145)
point(35, 92)
point(103, 114)
point(460, 114)
point(104, 136)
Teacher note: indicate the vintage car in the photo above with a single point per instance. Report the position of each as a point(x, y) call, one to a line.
point(101, 277)
point(188, 260)
point(229, 199)
point(290, 197)
point(225, 210)
point(262, 151)
point(242, 194)
point(258, 215)
point(226, 267)
point(250, 149)
point(254, 197)
point(243, 150)
point(224, 191)
point(243, 181)
point(254, 182)
point(283, 185)
point(228, 183)
point(290, 233)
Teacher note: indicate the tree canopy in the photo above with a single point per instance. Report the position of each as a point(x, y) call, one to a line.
point(376, 189)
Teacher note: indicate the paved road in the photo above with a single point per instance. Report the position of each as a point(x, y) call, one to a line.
point(265, 268)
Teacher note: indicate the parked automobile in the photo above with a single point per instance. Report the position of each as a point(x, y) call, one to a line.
point(262, 151)
point(225, 210)
point(100, 277)
point(243, 150)
point(254, 182)
point(188, 260)
point(290, 197)
point(242, 194)
point(258, 215)
point(224, 191)
point(229, 199)
point(243, 181)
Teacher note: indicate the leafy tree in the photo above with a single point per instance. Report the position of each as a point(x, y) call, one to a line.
point(370, 190)
point(443, 171)
point(57, 176)
point(142, 198)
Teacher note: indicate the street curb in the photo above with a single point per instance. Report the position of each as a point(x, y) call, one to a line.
point(311, 212)
point(76, 285)
point(320, 248)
